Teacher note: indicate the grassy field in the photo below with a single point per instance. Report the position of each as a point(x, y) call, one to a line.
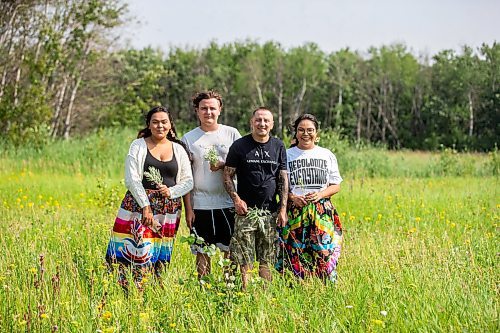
point(420, 252)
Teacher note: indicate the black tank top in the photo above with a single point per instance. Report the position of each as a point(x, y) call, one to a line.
point(168, 170)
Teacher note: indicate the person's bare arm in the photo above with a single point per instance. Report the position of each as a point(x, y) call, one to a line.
point(326, 193)
point(188, 208)
point(283, 194)
point(239, 205)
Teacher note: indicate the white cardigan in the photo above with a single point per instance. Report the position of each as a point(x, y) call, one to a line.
point(134, 170)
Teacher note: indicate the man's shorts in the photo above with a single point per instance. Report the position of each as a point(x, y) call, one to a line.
point(253, 240)
point(215, 226)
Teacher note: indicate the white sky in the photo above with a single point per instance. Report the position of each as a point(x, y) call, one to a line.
point(425, 26)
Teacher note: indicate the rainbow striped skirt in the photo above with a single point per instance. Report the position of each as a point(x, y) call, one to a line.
point(134, 244)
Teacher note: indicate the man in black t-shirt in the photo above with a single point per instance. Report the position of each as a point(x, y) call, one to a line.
point(259, 163)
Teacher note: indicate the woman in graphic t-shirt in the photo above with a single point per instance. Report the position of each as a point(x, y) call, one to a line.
point(143, 234)
point(311, 240)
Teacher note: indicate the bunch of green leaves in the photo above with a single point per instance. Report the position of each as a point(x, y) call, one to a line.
point(258, 214)
point(211, 156)
point(194, 239)
point(153, 175)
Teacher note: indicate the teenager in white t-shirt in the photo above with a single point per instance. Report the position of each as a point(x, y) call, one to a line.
point(209, 209)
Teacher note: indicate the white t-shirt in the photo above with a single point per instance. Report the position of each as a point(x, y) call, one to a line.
point(311, 170)
point(208, 191)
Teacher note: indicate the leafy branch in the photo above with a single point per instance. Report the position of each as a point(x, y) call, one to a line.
point(153, 175)
point(212, 156)
point(257, 214)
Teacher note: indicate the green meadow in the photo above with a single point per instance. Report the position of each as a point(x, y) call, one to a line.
point(420, 250)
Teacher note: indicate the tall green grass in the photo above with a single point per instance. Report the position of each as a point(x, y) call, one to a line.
point(102, 154)
point(419, 254)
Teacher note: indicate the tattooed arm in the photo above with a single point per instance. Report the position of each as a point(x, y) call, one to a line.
point(239, 205)
point(283, 194)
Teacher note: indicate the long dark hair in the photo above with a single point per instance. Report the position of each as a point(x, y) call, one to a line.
point(305, 116)
point(171, 135)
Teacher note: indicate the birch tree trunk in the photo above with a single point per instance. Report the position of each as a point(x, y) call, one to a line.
point(17, 80)
point(299, 99)
point(78, 75)
point(471, 115)
point(67, 121)
point(339, 108)
point(57, 110)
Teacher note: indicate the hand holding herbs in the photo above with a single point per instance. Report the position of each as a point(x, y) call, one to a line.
point(257, 214)
point(213, 158)
point(154, 176)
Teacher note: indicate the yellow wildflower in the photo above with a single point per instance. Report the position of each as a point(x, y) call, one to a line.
point(378, 322)
point(143, 316)
point(107, 315)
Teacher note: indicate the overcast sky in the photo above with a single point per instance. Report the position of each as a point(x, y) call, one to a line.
point(425, 26)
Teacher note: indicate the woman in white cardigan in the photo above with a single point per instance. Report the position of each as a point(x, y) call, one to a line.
point(149, 216)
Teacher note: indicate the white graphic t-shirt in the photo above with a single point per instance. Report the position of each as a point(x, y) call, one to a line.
point(311, 170)
point(208, 191)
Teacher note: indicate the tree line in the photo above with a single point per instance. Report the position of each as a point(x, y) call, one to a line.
point(58, 77)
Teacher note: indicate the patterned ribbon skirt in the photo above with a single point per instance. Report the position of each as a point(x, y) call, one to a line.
point(136, 245)
point(311, 241)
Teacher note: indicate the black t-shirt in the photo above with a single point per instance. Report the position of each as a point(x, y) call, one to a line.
point(257, 169)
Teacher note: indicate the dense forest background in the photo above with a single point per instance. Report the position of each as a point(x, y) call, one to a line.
point(60, 76)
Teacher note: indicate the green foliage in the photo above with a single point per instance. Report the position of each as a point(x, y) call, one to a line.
point(154, 175)
point(258, 214)
point(60, 79)
point(103, 153)
point(414, 252)
point(494, 162)
point(47, 49)
point(108, 195)
point(212, 156)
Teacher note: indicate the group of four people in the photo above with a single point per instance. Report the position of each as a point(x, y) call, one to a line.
point(300, 229)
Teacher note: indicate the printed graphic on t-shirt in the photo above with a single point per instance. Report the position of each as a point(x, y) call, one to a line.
point(260, 155)
point(308, 174)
